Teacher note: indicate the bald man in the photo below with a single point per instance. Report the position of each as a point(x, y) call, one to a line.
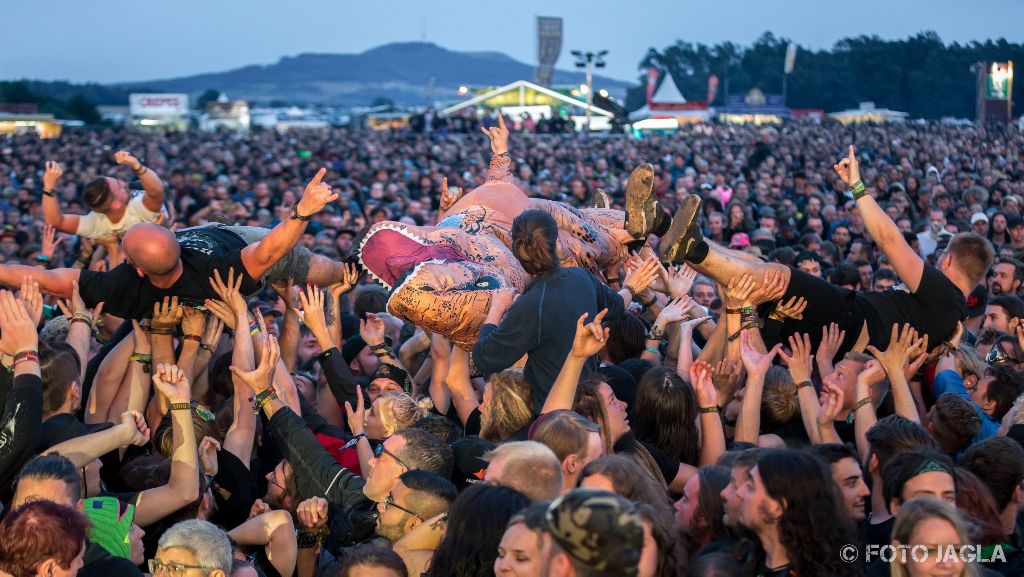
point(159, 263)
point(114, 207)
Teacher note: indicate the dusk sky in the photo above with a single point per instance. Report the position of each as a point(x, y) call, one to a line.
point(111, 41)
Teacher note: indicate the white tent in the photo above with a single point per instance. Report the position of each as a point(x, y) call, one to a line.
point(522, 87)
point(668, 103)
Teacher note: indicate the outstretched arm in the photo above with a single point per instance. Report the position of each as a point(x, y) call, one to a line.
point(52, 214)
point(58, 282)
point(259, 257)
point(881, 228)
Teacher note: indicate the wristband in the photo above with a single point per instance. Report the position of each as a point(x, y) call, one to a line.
point(652, 350)
point(49, 193)
point(730, 311)
point(142, 170)
point(656, 333)
point(859, 190)
point(254, 328)
point(297, 216)
point(181, 406)
point(262, 398)
point(706, 410)
point(804, 384)
point(164, 332)
point(775, 316)
point(141, 358)
point(632, 293)
point(81, 318)
point(28, 356)
point(43, 259)
point(195, 338)
point(352, 442)
point(857, 407)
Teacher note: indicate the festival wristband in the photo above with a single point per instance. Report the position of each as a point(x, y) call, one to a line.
point(28, 356)
point(859, 190)
point(49, 193)
point(297, 216)
point(706, 410)
point(652, 350)
point(804, 384)
point(181, 406)
point(195, 338)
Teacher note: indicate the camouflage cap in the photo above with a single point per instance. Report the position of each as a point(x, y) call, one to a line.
point(599, 529)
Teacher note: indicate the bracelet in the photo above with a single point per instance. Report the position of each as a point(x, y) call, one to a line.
point(656, 333)
point(632, 293)
point(81, 318)
point(142, 170)
point(181, 406)
point(730, 311)
point(195, 338)
point(652, 350)
point(165, 332)
point(310, 539)
point(856, 407)
point(262, 398)
point(254, 328)
point(859, 190)
point(206, 347)
point(28, 356)
point(297, 216)
point(706, 410)
point(141, 358)
point(775, 316)
point(802, 385)
point(49, 193)
point(352, 442)
point(43, 258)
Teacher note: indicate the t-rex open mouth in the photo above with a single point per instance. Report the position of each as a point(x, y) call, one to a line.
point(389, 249)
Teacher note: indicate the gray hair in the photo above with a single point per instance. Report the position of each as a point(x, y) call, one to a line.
point(209, 544)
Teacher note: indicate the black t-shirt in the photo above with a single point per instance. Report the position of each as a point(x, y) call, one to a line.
point(204, 250)
point(98, 563)
point(667, 464)
point(233, 490)
point(933, 310)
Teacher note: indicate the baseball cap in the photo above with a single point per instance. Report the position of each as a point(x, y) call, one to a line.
point(470, 464)
point(392, 373)
point(599, 529)
point(978, 217)
point(739, 240)
point(110, 523)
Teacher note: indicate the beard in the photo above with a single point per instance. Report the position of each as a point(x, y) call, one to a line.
point(392, 532)
point(997, 289)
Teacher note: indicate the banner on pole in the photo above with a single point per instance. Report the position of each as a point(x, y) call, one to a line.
point(549, 47)
point(790, 57)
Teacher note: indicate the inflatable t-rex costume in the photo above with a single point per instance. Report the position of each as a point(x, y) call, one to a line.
point(443, 277)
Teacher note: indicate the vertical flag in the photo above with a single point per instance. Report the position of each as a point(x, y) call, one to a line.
point(549, 46)
point(652, 83)
point(712, 88)
point(790, 57)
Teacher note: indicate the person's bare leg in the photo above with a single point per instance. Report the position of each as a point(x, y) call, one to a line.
point(722, 264)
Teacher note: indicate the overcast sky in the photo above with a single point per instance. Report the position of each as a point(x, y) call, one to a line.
point(111, 41)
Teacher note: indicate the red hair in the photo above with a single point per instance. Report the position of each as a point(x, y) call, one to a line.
point(38, 531)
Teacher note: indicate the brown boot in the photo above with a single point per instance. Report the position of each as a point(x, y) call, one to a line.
point(642, 208)
point(684, 240)
point(600, 199)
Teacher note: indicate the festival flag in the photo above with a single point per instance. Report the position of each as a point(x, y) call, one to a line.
point(652, 83)
point(712, 88)
point(790, 57)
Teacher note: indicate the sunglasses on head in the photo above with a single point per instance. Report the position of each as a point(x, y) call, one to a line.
point(997, 356)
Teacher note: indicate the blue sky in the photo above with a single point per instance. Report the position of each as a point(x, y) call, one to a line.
point(111, 41)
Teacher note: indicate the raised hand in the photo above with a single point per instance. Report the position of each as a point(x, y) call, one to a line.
point(312, 513)
point(640, 278)
point(170, 381)
point(136, 430)
point(212, 332)
point(831, 400)
point(262, 377)
point(349, 279)
point(756, 362)
point(166, 314)
point(872, 374)
point(831, 339)
point(51, 175)
point(800, 358)
point(590, 337)
point(449, 196)
point(773, 286)
point(312, 311)
point(17, 331)
point(894, 358)
point(316, 196)
point(693, 323)
point(679, 280)
point(192, 321)
point(791, 309)
point(222, 311)
point(50, 242)
point(32, 298)
point(208, 448)
point(125, 158)
point(372, 329)
point(726, 375)
point(848, 168)
point(258, 508)
point(675, 311)
point(230, 291)
point(703, 386)
point(356, 416)
point(738, 290)
point(498, 135)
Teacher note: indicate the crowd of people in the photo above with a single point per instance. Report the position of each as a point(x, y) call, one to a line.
point(198, 378)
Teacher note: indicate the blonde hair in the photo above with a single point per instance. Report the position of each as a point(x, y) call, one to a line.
point(915, 512)
point(968, 361)
point(400, 410)
point(510, 408)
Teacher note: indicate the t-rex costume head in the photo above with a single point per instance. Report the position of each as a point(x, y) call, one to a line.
point(443, 279)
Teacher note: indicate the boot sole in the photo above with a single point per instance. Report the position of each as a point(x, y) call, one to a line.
point(672, 248)
point(601, 199)
point(639, 201)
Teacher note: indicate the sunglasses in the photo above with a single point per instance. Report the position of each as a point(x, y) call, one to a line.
point(382, 451)
point(997, 356)
point(389, 501)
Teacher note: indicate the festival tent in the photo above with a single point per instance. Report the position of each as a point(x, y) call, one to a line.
point(525, 96)
point(668, 109)
point(867, 112)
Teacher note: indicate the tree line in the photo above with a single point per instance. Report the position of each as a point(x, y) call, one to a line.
point(921, 74)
